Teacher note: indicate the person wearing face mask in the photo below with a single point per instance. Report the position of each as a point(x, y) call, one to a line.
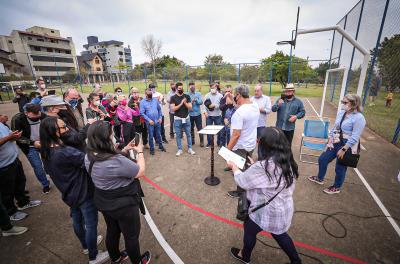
point(150, 110)
point(73, 116)
point(195, 113)
point(346, 134)
point(66, 167)
point(171, 113)
point(29, 123)
point(110, 103)
point(95, 109)
point(21, 98)
point(118, 91)
point(225, 104)
point(125, 116)
point(289, 110)
point(213, 117)
point(40, 83)
point(53, 105)
point(181, 105)
point(160, 98)
point(138, 121)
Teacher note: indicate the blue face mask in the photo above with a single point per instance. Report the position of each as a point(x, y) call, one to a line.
point(73, 103)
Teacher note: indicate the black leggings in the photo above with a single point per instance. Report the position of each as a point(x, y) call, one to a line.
point(251, 230)
point(127, 221)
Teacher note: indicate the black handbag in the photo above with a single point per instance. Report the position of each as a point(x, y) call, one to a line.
point(349, 158)
point(243, 211)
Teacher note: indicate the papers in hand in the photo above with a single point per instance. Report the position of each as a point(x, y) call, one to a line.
point(228, 155)
point(211, 130)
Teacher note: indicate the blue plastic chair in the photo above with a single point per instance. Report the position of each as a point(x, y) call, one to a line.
point(314, 137)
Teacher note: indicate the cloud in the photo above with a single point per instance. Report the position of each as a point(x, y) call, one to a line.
point(242, 31)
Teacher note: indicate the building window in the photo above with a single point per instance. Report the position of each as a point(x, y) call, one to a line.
point(121, 60)
point(67, 52)
point(10, 41)
point(37, 48)
point(29, 38)
point(97, 61)
point(52, 31)
point(98, 69)
point(51, 59)
point(120, 53)
point(39, 39)
point(53, 69)
point(49, 50)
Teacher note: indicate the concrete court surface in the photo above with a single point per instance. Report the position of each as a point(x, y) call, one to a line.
point(198, 221)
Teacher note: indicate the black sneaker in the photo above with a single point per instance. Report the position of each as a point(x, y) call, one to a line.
point(235, 254)
point(152, 152)
point(163, 150)
point(46, 190)
point(208, 146)
point(146, 257)
point(124, 256)
point(165, 141)
point(233, 194)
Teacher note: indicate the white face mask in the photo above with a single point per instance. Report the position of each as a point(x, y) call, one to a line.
point(42, 86)
point(96, 103)
point(213, 91)
point(345, 107)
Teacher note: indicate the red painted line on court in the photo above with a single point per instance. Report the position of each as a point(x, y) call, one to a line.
point(239, 225)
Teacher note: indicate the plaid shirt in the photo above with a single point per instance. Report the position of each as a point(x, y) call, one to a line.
point(277, 216)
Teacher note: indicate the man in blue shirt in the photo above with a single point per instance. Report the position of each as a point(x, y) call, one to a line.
point(195, 113)
point(289, 109)
point(150, 109)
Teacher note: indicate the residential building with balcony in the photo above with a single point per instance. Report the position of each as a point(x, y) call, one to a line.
point(11, 67)
point(42, 52)
point(91, 67)
point(113, 53)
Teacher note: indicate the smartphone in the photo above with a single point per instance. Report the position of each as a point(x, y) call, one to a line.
point(51, 92)
point(137, 138)
point(283, 96)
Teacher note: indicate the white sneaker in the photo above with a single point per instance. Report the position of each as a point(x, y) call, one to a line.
point(102, 256)
point(15, 231)
point(99, 240)
point(18, 215)
point(179, 153)
point(191, 152)
point(32, 203)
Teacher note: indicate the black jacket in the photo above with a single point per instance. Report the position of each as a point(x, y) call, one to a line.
point(75, 139)
point(20, 122)
point(22, 100)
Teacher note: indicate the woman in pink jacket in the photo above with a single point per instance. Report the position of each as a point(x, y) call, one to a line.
point(125, 115)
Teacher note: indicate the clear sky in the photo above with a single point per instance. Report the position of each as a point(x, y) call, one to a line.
point(240, 30)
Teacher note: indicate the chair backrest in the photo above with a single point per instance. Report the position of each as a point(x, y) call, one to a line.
point(316, 128)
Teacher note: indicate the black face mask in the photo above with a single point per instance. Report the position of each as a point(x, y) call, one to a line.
point(101, 96)
point(289, 96)
point(180, 91)
point(149, 96)
point(35, 119)
point(173, 89)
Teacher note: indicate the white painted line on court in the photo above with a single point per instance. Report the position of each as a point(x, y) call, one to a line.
point(373, 194)
point(160, 238)
point(378, 201)
point(320, 118)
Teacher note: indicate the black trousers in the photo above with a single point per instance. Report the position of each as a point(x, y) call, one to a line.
point(12, 185)
point(126, 221)
point(5, 223)
point(196, 120)
point(142, 129)
point(163, 129)
point(289, 136)
point(128, 133)
point(171, 124)
point(251, 230)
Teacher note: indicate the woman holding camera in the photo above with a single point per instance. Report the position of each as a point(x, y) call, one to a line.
point(345, 135)
point(272, 178)
point(118, 194)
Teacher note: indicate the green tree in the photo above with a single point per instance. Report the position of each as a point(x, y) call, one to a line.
point(280, 62)
point(388, 60)
point(249, 73)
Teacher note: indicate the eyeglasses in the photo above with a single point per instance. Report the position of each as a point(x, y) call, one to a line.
point(345, 102)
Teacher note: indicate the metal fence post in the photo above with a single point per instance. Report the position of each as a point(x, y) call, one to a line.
point(378, 40)
point(187, 79)
point(210, 72)
point(165, 81)
point(129, 85)
point(271, 65)
point(354, 48)
point(79, 74)
point(145, 77)
point(290, 61)
point(238, 78)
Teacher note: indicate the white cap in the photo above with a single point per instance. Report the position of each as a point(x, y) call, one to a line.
point(51, 100)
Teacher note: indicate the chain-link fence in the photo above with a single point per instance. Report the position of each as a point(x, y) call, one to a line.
point(375, 24)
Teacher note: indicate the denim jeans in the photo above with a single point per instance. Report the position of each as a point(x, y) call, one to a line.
point(179, 128)
point(84, 221)
point(36, 163)
point(260, 151)
point(196, 120)
point(214, 120)
point(324, 160)
point(227, 131)
point(154, 131)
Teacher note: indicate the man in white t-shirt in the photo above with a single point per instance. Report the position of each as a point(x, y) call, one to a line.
point(264, 105)
point(243, 127)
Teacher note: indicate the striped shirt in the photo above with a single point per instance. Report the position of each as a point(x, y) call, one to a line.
point(276, 217)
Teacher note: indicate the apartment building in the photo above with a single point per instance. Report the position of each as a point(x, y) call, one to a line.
point(113, 54)
point(43, 52)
